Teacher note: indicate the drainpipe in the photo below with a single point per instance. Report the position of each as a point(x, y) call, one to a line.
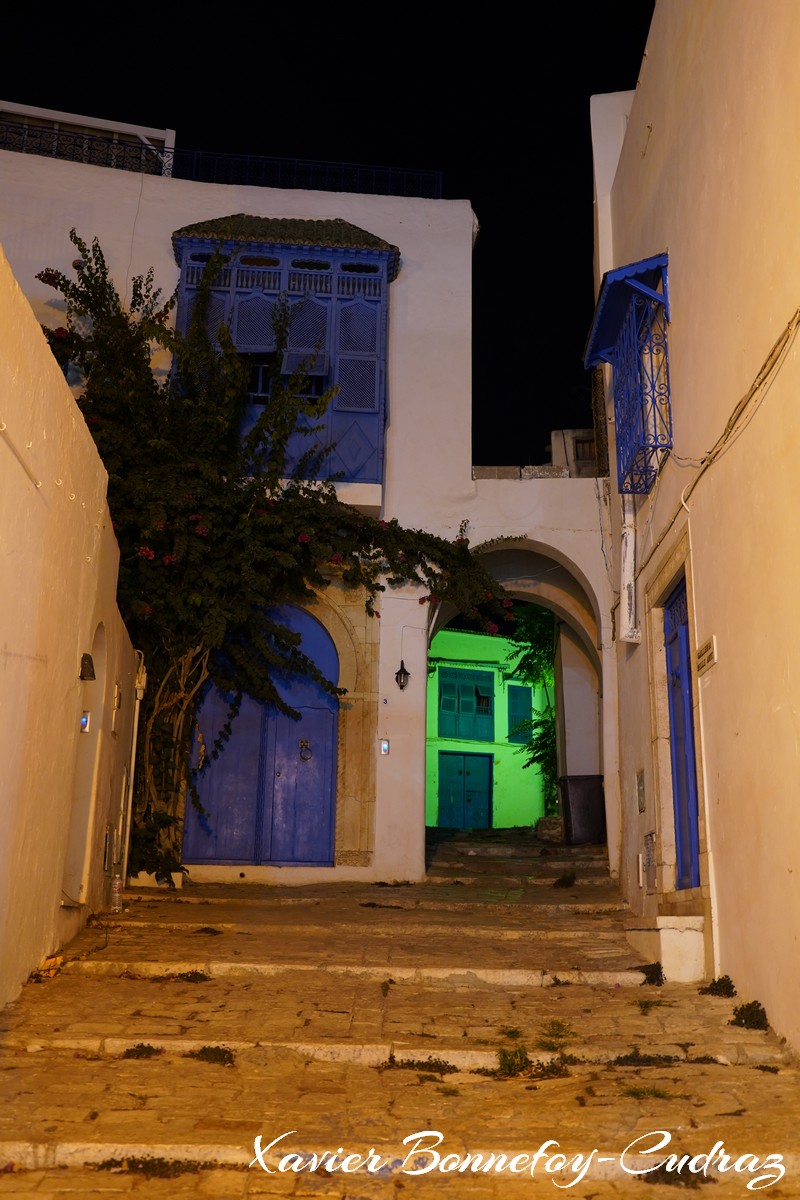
point(140, 685)
point(628, 631)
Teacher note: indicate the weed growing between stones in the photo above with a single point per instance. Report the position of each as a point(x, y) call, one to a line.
point(677, 1178)
point(719, 987)
point(651, 1093)
point(635, 1058)
point(142, 1050)
point(750, 1016)
point(512, 1062)
point(437, 1066)
point(515, 1063)
point(554, 1036)
point(653, 975)
point(157, 1168)
point(181, 977)
point(646, 1005)
point(387, 983)
point(220, 1055)
point(209, 929)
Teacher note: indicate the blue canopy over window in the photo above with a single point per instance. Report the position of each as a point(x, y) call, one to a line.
point(613, 303)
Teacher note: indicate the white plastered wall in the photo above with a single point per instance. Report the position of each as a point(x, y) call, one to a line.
point(709, 172)
point(58, 563)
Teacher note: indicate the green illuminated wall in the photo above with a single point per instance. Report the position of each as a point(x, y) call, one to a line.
point(516, 793)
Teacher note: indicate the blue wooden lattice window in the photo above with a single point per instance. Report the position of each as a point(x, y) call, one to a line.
point(466, 704)
point(338, 297)
point(630, 332)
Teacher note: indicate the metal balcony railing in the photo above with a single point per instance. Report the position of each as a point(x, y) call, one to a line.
point(203, 167)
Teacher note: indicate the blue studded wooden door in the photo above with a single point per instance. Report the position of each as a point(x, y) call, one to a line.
point(269, 797)
point(681, 733)
point(465, 790)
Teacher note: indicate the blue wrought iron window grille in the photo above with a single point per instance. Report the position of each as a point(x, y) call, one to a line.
point(630, 332)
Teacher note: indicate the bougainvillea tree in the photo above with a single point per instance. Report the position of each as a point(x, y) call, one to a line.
point(216, 528)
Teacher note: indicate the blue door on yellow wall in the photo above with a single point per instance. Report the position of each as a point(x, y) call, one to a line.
point(465, 790)
point(681, 736)
point(269, 798)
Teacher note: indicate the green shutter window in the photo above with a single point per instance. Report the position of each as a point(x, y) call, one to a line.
point(520, 708)
point(448, 706)
point(466, 704)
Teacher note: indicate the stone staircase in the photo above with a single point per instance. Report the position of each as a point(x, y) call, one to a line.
point(491, 1002)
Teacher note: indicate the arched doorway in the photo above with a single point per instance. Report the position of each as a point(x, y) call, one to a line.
point(269, 798)
point(533, 575)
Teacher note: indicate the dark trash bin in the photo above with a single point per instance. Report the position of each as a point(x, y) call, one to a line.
point(583, 809)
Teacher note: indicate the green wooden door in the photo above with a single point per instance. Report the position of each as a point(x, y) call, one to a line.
point(465, 791)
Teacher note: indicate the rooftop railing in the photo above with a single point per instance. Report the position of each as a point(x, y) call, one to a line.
point(203, 167)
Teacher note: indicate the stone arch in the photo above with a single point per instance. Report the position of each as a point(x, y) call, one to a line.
point(342, 613)
point(537, 573)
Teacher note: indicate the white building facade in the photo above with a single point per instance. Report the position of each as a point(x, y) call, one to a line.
point(697, 177)
point(539, 536)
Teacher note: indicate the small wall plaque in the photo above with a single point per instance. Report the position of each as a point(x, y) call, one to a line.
point(706, 655)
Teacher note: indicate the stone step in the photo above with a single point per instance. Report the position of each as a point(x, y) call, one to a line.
point(467, 872)
point(532, 905)
point(354, 1022)
point(68, 1111)
point(406, 946)
point(368, 1017)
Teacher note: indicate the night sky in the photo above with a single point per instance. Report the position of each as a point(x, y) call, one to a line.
point(502, 113)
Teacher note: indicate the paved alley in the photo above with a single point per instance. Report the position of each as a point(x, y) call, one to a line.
point(489, 1032)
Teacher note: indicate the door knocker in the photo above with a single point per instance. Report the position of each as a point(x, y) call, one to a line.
point(305, 750)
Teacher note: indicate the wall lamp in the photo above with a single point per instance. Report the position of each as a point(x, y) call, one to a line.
point(87, 667)
point(402, 676)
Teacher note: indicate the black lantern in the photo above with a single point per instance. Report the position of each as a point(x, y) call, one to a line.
point(402, 676)
point(87, 667)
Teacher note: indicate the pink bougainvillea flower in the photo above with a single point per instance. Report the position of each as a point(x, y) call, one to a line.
point(202, 530)
point(336, 558)
point(169, 560)
point(423, 600)
point(193, 517)
point(304, 537)
point(61, 333)
point(508, 603)
point(146, 552)
point(491, 627)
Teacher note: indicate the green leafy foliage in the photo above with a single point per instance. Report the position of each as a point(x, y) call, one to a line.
point(532, 657)
point(217, 529)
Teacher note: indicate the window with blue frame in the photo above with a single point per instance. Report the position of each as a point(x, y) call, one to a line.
point(629, 331)
point(335, 278)
point(520, 710)
point(466, 704)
